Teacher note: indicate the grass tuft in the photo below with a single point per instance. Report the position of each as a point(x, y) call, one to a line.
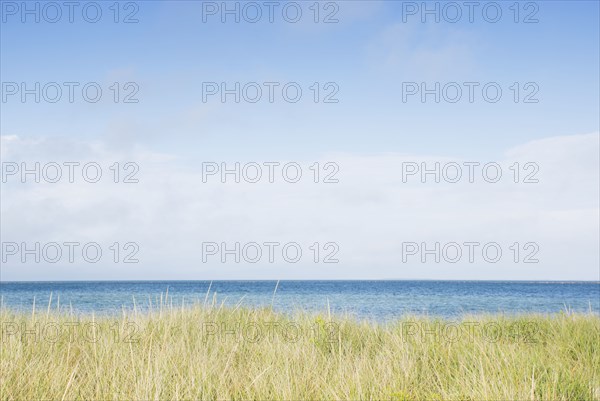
point(215, 352)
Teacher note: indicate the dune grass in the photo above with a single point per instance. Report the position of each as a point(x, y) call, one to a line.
point(210, 352)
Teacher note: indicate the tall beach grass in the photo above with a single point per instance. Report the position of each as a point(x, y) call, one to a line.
point(208, 351)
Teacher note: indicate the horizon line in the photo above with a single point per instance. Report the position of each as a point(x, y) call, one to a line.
point(268, 280)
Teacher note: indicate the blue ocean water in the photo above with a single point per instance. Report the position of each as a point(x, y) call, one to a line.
point(373, 300)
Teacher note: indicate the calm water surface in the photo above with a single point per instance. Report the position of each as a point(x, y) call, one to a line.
point(377, 300)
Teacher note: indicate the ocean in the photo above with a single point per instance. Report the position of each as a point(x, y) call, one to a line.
point(371, 300)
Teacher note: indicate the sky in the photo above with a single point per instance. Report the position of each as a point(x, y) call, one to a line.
point(368, 114)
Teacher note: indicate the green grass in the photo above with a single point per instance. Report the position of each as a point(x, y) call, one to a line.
point(255, 354)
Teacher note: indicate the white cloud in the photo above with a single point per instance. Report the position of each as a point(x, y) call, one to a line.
point(170, 212)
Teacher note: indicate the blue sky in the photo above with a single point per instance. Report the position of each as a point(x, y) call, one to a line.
point(369, 53)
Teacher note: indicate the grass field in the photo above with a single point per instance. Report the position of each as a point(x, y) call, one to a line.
point(212, 352)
